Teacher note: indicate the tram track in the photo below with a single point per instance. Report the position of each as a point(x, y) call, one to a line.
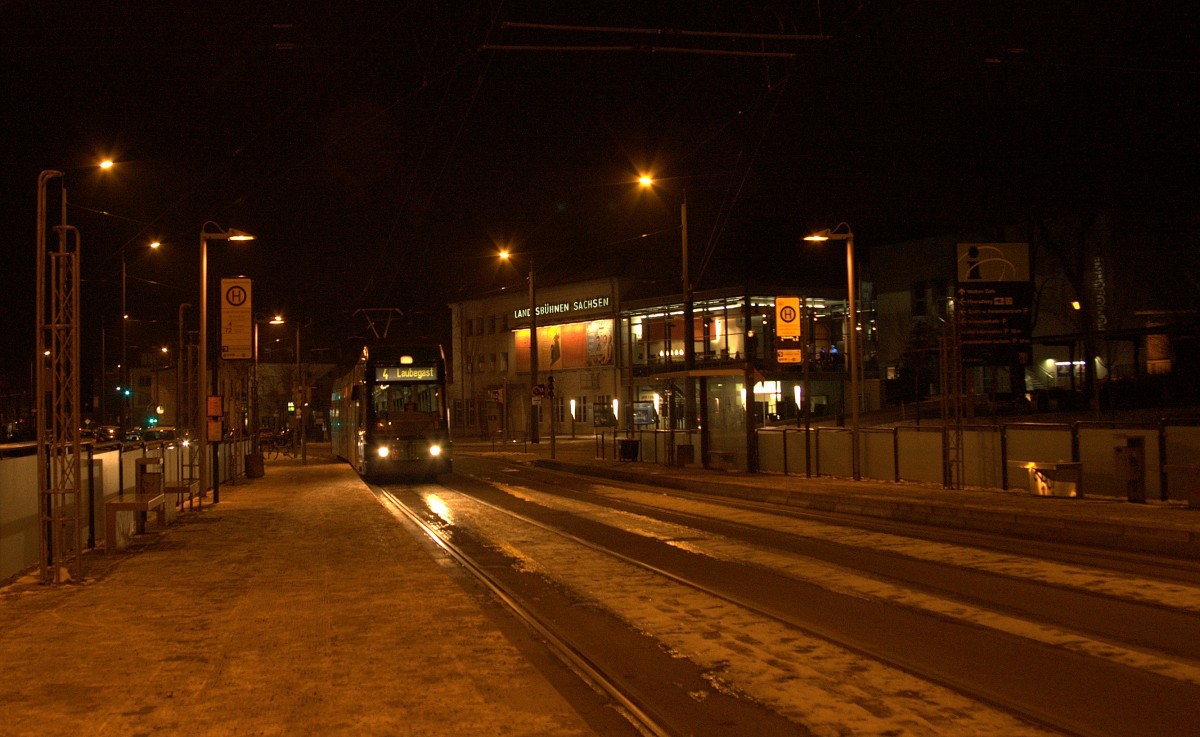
point(961, 687)
point(1181, 570)
point(967, 687)
point(640, 715)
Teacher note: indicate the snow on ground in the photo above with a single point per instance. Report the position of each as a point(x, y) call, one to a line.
point(845, 581)
point(828, 689)
point(1082, 578)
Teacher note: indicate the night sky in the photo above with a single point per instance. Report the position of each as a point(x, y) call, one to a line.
point(380, 153)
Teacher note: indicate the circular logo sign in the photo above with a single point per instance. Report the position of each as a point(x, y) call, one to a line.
point(235, 296)
point(787, 314)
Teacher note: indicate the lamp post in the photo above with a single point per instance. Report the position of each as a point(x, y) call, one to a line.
point(534, 435)
point(202, 389)
point(124, 375)
point(843, 233)
point(301, 393)
point(689, 320)
point(254, 403)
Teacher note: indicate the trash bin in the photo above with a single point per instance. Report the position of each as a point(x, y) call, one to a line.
point(1129, 461)
point(149, 477)
point(627, 449)
point(685, 455)
point(254, 466)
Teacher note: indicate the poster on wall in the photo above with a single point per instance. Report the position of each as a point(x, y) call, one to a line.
point(600, 343)
point(570, 346)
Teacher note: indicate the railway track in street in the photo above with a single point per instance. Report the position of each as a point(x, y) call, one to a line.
point(912, 641)
point(639, 715)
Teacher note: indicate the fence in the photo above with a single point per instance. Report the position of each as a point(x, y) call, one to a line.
point(107, 472)
point(1103, 450)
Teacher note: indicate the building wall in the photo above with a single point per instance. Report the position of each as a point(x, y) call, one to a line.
point(491, 391)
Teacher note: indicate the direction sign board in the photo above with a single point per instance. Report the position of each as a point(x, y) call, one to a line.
point(994, 303)
point(788, 330)
point(237, 319)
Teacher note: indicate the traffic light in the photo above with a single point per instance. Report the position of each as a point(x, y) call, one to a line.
point(550, 386)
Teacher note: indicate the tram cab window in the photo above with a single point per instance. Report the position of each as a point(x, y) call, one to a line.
point(394, 403)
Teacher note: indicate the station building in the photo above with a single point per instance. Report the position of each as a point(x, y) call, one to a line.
point(616, 359)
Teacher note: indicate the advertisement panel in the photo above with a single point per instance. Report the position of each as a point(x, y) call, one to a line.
point(571, 346)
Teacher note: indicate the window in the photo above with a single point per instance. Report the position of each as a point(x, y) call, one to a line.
point(492, 363)
point(581, 409)
point(504, 362)
point(469, 364)
point(920, 299)
point(479, 325)
point(492, 325)
point(469, 326)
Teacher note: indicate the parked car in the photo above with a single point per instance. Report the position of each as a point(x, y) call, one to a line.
point(163, 432)
point(107, 434)
point(134, 435)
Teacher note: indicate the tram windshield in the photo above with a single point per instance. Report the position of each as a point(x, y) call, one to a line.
point(406, 409)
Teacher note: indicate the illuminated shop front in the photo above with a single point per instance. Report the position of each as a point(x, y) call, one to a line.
point(734, 344)
point(618, 364)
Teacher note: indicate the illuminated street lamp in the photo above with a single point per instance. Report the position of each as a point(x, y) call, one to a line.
point(202, 389)
point(843, 233)
point(534, 434)
point(124, 375)
point(689, 327)
point(254, 406)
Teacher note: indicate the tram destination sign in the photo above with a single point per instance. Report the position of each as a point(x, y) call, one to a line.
point(406, 373)
point(993, 303)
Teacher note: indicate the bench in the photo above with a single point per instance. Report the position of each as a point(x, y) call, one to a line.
point(1190, 472)
point(142, 503)
point(184, 491)
point(1045, 477)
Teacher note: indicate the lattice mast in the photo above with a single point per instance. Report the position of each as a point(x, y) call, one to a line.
point(60, 487)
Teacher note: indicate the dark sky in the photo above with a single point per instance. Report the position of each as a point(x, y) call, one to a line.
point(379, 153)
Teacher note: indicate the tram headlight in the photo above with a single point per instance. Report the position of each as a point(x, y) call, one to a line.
point(435, 450)
point(383, 451)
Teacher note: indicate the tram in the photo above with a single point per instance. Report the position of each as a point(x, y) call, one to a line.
point(389, 415)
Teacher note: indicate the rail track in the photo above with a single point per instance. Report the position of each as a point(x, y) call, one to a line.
point(641, 709)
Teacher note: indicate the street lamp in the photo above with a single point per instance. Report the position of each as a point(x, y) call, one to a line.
point(124, 376)
point(689, 324)
point(534, 436)
point(254, 407)
point(202, 390)
point(843, 233)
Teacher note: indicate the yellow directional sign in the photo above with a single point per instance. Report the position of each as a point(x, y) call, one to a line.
point(788, 330)
point(237, 322)
point(787, 317)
